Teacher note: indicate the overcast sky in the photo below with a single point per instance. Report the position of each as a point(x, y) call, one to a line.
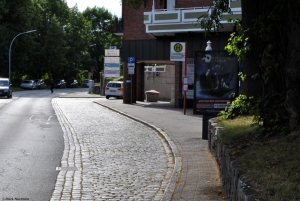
point(113, 6)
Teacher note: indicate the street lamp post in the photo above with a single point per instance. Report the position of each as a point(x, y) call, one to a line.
point(9, 56)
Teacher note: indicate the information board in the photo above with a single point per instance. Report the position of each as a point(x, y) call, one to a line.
point(215, 81)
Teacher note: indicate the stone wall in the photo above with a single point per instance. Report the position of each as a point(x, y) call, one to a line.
point(233, 179)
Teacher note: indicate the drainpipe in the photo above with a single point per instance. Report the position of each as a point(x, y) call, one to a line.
point(153, 6)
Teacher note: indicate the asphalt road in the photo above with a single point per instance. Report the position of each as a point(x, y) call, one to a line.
point(31, 145)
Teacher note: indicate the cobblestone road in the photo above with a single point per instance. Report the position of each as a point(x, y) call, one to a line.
point(108, 156)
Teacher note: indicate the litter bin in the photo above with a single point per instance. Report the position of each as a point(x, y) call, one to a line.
point(180, 102)
point(152, 96)
point(91, 85)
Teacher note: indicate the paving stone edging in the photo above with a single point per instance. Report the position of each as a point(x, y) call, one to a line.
point(234, 182)
point(177, 158)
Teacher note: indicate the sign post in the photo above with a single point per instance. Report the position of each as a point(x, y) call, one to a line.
point(185, 82)
point(112, 62)
point(179, 53)
point(131, 66)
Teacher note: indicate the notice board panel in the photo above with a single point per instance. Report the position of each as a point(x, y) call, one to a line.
point(215, 81)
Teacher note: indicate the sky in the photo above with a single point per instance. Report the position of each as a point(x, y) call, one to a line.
point(113, 6)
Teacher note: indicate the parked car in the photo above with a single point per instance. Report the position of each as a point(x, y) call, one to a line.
point(60, 84)
point(72, 83)
point(28, 84)
point(40, 84)
point(114, 89)
point(5, 87)
point(85, 83)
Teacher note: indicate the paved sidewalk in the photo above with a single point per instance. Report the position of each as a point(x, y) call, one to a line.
point(127, 161)
point(196, 176)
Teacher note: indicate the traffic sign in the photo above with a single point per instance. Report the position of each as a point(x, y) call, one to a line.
point(177, 51)
point(131, 60)
point(111, 65)
point(111, 73)
point(130, 65)
point(185, 87)
point(112, 47)
point(112, 52)
point(130, 71)
point(112, 60)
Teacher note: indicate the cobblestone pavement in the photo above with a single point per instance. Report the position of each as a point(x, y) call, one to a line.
point(199, 178)
point(108, 156)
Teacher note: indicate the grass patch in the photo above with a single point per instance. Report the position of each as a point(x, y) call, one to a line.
point(271, 165)
point(235, 128)
point(274, 164)
point(17, 89)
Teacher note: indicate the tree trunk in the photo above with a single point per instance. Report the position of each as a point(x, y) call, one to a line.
point(251, 87)
point(292, 101)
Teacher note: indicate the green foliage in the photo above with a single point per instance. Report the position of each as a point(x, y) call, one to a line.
point(213, 21)
point(82, 75)
point(235, 128)
point(237, 43)
point(24, 77)
point(54, 49)
point(61, 46)
point(242, 105)
point(120, 78)
point(242, 76)
point(102, 26)
point(263, 111)
point(46, 78)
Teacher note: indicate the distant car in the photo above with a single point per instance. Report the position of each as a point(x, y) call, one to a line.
point(40, 84)
point(72, 83)
point(60, 84)
point(114, 89)
point(85, 83)
point(28, 84)
point(5, 87)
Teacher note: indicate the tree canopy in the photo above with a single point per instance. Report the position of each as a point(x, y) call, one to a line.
point(61, 46)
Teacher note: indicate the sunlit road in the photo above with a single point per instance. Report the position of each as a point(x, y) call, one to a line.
point(31, 145)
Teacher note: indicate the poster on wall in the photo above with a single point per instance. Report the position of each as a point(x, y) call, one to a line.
point(190, 72)
point(216, 81)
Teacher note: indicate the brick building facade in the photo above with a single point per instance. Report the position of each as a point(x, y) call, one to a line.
point(148, 32)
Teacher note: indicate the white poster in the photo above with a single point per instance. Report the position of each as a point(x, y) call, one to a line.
point(111, 73)
point(190, 70)
point(111, 60)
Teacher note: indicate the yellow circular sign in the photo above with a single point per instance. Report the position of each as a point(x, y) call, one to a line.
point(178, 47)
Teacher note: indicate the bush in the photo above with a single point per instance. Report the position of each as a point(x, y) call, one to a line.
point(242, 105)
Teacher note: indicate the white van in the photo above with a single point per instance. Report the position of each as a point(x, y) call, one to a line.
point(5, 87)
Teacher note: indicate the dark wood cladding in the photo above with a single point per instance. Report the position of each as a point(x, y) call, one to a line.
point(159, 48)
